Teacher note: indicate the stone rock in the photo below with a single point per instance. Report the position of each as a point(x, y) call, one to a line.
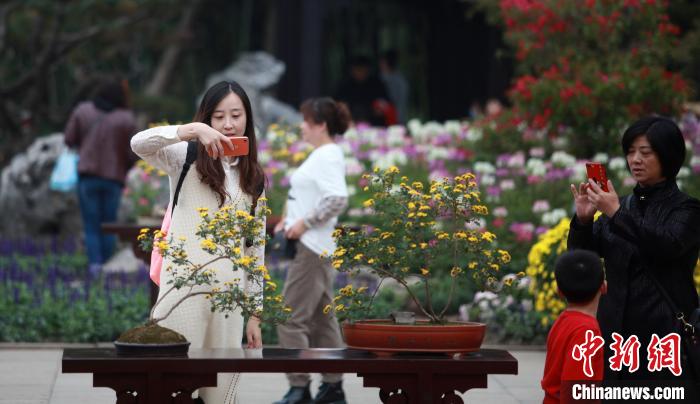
point(257, 72)
point(124, 260)
point(31, 209)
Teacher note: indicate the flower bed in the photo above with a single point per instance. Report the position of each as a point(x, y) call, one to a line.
point(45, 295)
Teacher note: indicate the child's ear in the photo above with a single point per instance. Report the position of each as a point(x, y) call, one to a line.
point(561, 295)
point(604, 288)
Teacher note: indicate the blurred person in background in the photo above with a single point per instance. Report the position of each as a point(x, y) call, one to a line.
point(365, 94)
point(395, 83)
point(318, 195)
point(101, 130)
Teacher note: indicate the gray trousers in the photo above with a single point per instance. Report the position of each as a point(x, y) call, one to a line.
point(308, 289)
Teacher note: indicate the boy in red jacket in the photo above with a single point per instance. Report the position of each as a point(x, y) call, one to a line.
point(574, 345)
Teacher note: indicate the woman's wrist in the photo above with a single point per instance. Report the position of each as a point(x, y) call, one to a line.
point(188, 131)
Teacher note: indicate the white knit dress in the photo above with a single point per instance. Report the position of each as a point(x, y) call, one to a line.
point(161, 147)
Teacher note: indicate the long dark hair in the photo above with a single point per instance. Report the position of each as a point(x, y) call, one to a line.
point(211, 172)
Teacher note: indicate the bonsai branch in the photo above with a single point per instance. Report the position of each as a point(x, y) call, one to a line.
point(189, 277)
point(408, 289)
point(187, 296)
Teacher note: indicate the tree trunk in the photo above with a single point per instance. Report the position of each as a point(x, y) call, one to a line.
point(169, 59)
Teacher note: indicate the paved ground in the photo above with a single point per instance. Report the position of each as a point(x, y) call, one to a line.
point(32, 375)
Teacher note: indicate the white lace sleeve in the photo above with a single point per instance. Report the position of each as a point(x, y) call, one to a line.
point(252, 287)
point(162, 148)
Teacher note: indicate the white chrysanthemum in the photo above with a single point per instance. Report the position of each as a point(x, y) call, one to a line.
point(578, 174)
point(474, 134)
point(478, 224)
point(507, 184)
point(487, 180)
point(500, 211)
point(453, 127)
point(392, 158)
point(264, 157)
point(516, 160)
point(352, 190)
point(563, 159)
point(553, 217)
point(353, 166)
point(535, 166)
point(601, 158)
point(695, 161)
point(346, 148)
point(395, 136)
point(438, 153)
point(484, 167)
point(684, 172)
point(414, 126)
point(351, 134)
point(618, 164)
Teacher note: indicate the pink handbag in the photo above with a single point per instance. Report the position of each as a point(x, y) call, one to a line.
point(156, 257)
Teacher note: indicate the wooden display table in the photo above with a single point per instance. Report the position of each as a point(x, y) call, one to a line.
point(403, 378)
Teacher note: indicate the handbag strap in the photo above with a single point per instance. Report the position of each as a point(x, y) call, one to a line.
point(687, 327)
point(191, 157)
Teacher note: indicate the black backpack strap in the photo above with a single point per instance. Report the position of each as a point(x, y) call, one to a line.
point(191, 157)
point(258, 192)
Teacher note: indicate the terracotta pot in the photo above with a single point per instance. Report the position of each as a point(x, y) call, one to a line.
point(382, 336)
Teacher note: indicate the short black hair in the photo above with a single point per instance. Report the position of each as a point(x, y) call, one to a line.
point(110, 95)
point(360, 60)
point(391, 57)
point(579, 274)
point(665, 138)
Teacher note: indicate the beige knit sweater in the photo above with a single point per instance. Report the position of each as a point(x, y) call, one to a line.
point(161, 147)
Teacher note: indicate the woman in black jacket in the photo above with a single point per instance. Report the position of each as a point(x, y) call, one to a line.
point(653, 232)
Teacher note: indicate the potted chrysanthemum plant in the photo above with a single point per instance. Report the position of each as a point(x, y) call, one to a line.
point(220, 236)
point(423, 233)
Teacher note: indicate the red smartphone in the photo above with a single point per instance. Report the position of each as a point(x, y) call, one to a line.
point(596, 172)
point(240, 146)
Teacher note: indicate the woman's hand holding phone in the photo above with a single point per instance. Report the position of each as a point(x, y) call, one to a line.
point(584, 208)
point(211, 138)
point(606, 202)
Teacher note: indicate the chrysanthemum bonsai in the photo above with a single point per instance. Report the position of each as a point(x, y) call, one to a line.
point(426, 233)
point(220, 234)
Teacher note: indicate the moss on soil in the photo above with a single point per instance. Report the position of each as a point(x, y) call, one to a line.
point(151, 334)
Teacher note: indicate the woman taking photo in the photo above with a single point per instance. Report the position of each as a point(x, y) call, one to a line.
point(649, 241)
point(215, 180)
point(318, 194)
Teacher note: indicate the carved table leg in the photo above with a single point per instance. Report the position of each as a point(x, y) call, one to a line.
point(393, 388)
point(423, 388)
point(154, 388)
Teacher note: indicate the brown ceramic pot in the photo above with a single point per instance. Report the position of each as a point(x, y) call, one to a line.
point(382, 336)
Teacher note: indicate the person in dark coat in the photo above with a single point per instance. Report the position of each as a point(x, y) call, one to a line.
point(654, 232)
point(364, 93)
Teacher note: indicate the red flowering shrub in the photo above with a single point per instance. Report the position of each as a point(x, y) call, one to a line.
point(588, 68)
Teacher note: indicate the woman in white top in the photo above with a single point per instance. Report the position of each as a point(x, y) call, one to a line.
point(213, 181)
point(318, 194)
